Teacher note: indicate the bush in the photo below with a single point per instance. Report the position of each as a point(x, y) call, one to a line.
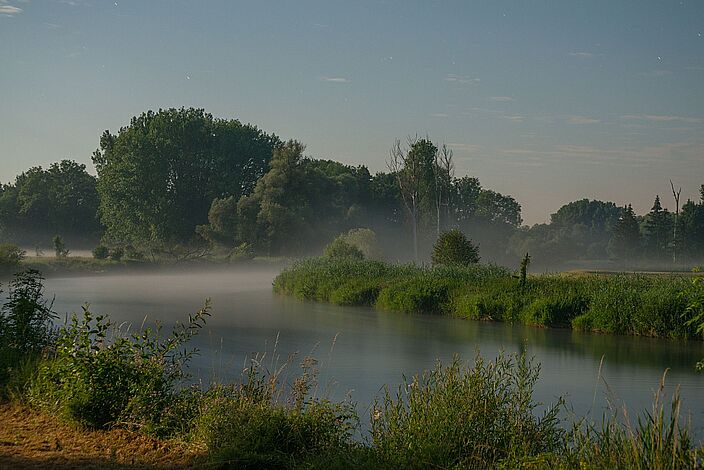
point(117, 253)
point(261, 423)
point(11, 255)
point(101, 252)
point(339, 248)
point(365, 240)
point(25, 324)
point(99, 377)
point(453, 248)
point(60, 247)
point(460, 417)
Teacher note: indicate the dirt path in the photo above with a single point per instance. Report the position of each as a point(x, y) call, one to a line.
point(32, 440)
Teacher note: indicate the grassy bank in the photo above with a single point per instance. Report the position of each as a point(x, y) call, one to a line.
point(632, 304)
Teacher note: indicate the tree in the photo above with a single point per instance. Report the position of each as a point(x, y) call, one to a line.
point(340, 248)
point(62, 199)
point(454, 248)
point(159, 175)
point(626, 235)
point(658, 230)
point(413, 168)
point(444, 174)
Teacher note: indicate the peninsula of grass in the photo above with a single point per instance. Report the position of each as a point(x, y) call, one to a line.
point(629, 304)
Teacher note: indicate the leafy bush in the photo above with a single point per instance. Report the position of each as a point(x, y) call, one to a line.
point(117, 253)
point(260, 423)
point(99, 377)
point(60, 247)
point(11, 255)
point(340, 248)
point(101, 252)
point(459, 417)
point(453, 248)
point(25, 324)
point(365, 240)
point(244, 251)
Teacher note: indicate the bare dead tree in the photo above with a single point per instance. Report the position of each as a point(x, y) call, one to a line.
point(444, 172)
point(409, 176)
point(676, 196)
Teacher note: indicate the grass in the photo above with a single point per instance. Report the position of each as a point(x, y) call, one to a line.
point(631, 304)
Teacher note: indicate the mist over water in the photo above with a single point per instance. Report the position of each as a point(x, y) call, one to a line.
point(361, 349)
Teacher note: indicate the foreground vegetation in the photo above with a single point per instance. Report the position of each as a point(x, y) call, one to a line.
point(99, 377)
point(646, 305)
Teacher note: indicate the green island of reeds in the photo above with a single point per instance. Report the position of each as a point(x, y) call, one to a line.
point(629, 304)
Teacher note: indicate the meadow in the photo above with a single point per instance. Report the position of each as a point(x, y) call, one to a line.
point(629, 304)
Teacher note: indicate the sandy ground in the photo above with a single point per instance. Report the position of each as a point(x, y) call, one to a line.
point(32, 440)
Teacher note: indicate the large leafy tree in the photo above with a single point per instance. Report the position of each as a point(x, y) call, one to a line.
point(159, 175)
point(42, 203)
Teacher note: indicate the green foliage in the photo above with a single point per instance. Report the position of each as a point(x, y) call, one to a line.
point(453, 247)
point(262, 423)
point(101, 252)
point(455, 416)
point(61, 199)
point(340, 248)
point(695, 307)
point(364, 239)
point(25, 325)
point(10, 255)
point(116, 253)
point(60, 249)
point(100, 377)
point(159, 175)
point(623, 304)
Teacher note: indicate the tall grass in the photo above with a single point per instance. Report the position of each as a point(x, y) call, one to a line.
point(643, 305)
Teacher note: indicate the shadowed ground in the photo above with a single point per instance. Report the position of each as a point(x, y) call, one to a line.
point(32, 440)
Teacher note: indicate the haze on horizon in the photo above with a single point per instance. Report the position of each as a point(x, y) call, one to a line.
point(548, 103)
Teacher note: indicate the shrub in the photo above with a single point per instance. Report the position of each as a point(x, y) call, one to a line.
point(244, 251)
point(414, 295)
point(459, 417)
point(99, 377)
point(260, 423)
point(453, 248)
point(365, 240)
point(117, 253)
point(11, 255)
point(60, 247)
point(101, 252)
point(340, 248)
point(25, 323)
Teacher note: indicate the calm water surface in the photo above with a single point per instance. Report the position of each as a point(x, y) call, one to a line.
point(361, 349)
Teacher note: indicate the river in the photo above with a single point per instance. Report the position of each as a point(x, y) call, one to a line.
point(361, 349)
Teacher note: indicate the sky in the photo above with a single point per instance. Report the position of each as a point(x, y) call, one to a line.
point(548, 101)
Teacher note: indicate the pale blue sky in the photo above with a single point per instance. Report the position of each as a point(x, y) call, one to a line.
point(548, 101)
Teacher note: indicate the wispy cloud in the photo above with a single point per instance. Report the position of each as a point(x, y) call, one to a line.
point(501, 99)
point(335, 79)
point(461, 147)
point(440, 115)
point(657, 73)
point(581, 54)
point(9, 10)
point(514, 118)
point(580, 120)
point(461, 79)
point(662, 118)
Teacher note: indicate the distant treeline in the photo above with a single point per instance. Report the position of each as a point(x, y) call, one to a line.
point(182, 180)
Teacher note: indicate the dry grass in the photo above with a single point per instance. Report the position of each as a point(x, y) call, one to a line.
point(29, 439)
